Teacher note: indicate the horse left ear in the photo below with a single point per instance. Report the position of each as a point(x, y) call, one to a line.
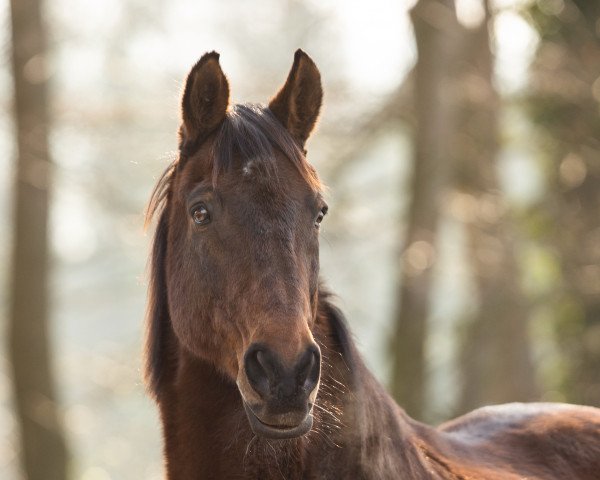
point(205, 99)
point(298, 102)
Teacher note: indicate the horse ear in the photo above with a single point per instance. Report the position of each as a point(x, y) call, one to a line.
point(205, 98)
point(298, 102)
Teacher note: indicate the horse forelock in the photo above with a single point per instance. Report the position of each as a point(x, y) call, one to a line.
point(251, 134)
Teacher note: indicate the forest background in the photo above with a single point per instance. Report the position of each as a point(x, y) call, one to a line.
point(460, 140)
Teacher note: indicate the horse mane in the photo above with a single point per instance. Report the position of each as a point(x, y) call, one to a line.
point(157, 317)
point(248, 131)
point(341, 336)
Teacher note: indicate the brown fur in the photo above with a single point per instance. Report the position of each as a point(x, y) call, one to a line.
point(252, 275)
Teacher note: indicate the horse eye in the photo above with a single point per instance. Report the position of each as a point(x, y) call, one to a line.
point(320, 216)
point(200, 215)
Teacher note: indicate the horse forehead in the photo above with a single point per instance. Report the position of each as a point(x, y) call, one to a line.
point(273, 184)
point(274, 174)
point(267, 207)
point(249, 168)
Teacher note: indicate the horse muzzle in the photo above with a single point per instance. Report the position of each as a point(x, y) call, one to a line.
point(282, 397)
point(279, 427)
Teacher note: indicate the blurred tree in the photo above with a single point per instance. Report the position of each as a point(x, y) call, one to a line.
point(564, 104)
point(435, 27)
point(43, 448)
point(456, 146)
point(495, 354)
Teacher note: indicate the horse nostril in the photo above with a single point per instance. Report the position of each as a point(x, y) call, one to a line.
point(259, 370)
point(264, 363)
point(262, 369)
point(270, 378)
point(308, 370)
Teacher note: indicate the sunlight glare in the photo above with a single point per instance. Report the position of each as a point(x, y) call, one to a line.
point(470, 13)
point(73, 237)
point(516, 44)
point(377, 43)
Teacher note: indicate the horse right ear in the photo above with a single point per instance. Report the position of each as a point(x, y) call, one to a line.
point(205, 99)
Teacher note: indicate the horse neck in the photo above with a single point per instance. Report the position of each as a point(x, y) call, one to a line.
point(375, 435)
point(193, 403)
point(206, 431)
point(357, 425)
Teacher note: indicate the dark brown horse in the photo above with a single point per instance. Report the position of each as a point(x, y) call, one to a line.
point(252, 366)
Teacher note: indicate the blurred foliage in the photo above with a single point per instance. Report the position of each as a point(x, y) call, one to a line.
point(564, 105)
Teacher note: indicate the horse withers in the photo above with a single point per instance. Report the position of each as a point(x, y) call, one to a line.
point(252, 366)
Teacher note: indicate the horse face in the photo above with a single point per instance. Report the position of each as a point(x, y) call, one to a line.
point(243, 253)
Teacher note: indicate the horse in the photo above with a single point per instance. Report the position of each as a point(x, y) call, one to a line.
point(252, 365)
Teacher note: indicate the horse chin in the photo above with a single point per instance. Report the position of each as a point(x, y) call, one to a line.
point(275, 432)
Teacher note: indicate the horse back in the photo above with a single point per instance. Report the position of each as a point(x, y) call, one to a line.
point(525, 440)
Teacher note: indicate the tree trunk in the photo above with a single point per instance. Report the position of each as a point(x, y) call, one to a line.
point(435, 26)
point(495, 356)
point(43, 448)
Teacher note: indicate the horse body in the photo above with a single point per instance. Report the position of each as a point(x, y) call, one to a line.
point(360, 433)
point(253, 368)
point(534, 440)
